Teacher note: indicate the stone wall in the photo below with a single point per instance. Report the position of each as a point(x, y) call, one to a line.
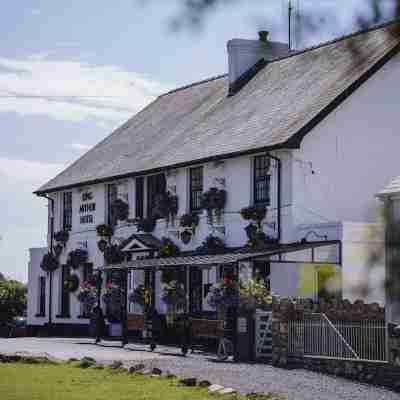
point(379, 373)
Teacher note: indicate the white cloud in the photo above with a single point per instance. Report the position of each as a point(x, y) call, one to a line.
point(32, 172)
point(80, 146)
point(71, 90)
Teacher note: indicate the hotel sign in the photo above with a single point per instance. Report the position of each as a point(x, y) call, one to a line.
point(87, 208)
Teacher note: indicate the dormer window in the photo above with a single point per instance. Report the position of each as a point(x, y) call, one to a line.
point(196, 188)
point(262, 180)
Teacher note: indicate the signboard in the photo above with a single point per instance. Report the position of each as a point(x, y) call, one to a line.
point(87, 208)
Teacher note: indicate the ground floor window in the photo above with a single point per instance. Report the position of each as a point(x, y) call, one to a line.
point(42, 297)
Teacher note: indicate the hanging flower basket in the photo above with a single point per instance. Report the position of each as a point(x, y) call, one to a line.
point(141, 295)
point(58, 249)
point(113, 254)
point(166, 206)
point(146, 225)
point(49, 263)
point(77, 258)
point(190, 220)
point(105, 231)
point(87, 294)
point(168, 248)
point(120, 210)
point(186, 236)
point(102, 245)
point(222, 295)
point(254, 213)
point(71, 284)
point(255, 294)
point(174, 296)
point(61, 237)
point(212, 244)
point(213, 200)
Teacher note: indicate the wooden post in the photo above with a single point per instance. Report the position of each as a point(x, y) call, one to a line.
point(124, 305)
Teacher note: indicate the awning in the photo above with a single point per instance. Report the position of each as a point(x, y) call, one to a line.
point(273, 254)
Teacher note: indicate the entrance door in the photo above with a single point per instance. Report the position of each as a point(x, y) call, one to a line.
point(195, 290)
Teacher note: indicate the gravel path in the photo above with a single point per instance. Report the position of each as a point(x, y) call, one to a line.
point(295, 384)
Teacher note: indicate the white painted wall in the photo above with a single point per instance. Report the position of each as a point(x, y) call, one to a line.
point(34, 274)
point(354, 153)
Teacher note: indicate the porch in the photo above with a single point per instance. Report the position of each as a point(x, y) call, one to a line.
point(197, 322)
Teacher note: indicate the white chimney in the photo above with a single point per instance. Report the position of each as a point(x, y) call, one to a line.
point(244, 54)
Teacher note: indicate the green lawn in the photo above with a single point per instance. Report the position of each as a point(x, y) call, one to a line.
point(19, 381)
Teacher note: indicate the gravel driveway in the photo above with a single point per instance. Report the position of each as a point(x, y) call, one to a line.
point(295, 384)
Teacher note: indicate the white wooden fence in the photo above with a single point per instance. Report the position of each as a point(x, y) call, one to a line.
point(317, 336)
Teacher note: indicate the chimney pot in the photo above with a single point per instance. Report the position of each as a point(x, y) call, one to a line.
point(263, 36)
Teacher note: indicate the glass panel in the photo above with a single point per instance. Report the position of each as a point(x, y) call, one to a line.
point(196, 188)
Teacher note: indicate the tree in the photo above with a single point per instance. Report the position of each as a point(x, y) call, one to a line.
point(2, 277)
point(13, 299)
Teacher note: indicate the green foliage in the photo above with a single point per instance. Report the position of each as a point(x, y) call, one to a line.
point(76, 258)
point(71, 283)
point(212, 244)
point(166, 206)
point(105, 230)
point(213, 200)
point(120, 210)
point(254, 293)
point(13, 297)
point(254, 213)
point(2, 277)
point(49, 263)
point(168, 248)
point(66, 382)
point(61, 237)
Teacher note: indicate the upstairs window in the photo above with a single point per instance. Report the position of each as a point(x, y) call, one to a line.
point(156, 184)
point(112, 195)
point(196, 188)
point(67, 211)
point(262, 180)
point(139, 197)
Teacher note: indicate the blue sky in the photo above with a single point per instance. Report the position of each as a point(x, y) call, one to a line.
point(72, 71)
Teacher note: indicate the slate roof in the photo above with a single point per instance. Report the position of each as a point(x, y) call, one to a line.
point(201, 122)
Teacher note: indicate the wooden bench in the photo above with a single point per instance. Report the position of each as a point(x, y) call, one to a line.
point(135, 322)
point(204, 330)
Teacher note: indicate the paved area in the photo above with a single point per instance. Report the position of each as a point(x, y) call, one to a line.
point(295, 384)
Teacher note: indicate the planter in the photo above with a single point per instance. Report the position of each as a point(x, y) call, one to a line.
point(115, 329)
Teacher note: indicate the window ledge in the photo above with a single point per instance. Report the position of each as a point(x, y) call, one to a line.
point(40, 315)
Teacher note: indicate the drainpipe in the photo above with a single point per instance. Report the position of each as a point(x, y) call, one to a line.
point(278, 160)
point(51, 251)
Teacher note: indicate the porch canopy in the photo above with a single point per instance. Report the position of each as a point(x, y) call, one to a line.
point(327, 252)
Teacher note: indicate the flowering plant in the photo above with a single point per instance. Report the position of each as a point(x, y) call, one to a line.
point(254, 293)
point(224, 294)
point(173, 294)
point(141, 295)
point(112, 294)
point(213, 200)
point(77, 257)
point(87, 294)
point(71, 283)
point(168, 248)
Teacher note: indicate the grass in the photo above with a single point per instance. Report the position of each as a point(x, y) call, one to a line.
point(22, 381)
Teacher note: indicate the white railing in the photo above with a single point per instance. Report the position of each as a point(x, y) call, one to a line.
point(317, 336)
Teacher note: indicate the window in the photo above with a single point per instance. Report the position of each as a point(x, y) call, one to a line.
point(42, 296)
point(196, 188)
point(261, 180)
point(65, 294)
point(112, 195)
point(67, 211)
point(139, 197)
point(156, 184)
